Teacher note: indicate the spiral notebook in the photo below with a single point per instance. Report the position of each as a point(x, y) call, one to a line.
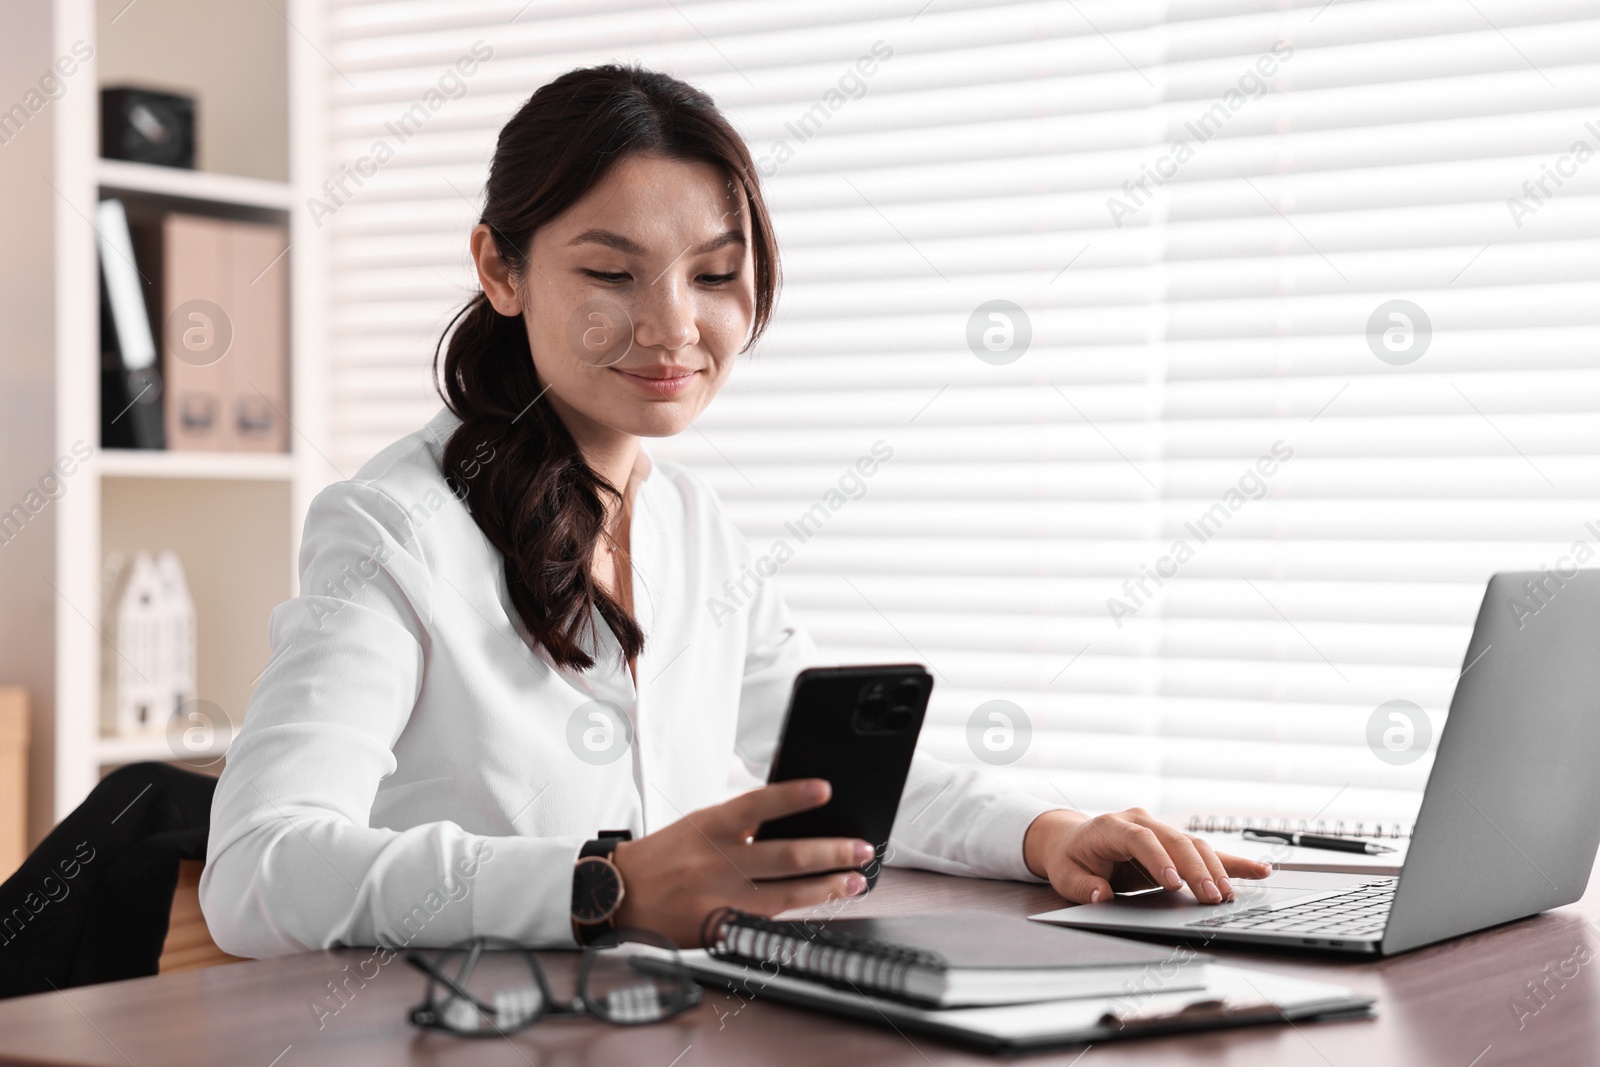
point(1232, 824)
point(1223, 833)
point(947, 959)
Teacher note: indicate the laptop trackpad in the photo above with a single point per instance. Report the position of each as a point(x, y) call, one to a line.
point(1179, 900)
point(1278, 888)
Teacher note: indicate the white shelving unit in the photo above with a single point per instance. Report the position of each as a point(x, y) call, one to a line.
point(115, 751)
point(117, 176)
point(133, 463)
point(233, 518)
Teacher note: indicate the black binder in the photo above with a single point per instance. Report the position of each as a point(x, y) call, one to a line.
point(130, 370)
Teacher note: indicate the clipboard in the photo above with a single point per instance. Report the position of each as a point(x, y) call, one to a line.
point(1233, 997)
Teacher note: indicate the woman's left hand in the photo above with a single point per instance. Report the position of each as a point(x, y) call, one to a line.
point(1086, 858)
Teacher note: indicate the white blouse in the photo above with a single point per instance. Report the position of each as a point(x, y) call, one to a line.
point(413, 769)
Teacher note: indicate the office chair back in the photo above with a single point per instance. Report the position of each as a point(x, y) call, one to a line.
point(93, 902)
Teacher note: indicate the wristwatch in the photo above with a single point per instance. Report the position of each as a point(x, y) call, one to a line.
point(597, 889)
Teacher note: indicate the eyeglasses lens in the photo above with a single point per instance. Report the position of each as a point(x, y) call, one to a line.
point(502, 995)
point(634, 983)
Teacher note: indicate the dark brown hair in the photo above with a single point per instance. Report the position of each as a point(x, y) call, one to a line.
point(512, 461)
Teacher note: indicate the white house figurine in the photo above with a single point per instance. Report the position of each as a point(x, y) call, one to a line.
point(150, 623)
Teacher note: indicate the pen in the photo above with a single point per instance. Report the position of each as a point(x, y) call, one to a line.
point(1334, 844)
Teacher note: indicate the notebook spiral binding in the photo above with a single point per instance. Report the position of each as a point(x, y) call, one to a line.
point(809, 950)
point(1231, 824)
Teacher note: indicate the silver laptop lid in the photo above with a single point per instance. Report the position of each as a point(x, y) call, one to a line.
point(1510, 819)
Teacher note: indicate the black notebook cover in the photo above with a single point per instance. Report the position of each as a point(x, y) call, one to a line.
point(963, 940)
point(943, 958)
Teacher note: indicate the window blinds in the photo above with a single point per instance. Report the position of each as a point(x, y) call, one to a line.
point(1219, 349)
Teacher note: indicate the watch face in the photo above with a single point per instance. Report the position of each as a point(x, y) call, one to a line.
point(596, 890)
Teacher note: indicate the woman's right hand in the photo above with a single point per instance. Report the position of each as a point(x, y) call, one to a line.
point(672, 879)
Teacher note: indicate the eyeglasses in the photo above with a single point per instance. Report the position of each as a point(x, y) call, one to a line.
point(489, 986)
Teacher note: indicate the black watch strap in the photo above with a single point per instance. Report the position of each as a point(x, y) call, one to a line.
point(601, 846)
point(605, 843)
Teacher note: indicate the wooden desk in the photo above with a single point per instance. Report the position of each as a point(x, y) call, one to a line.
point(1449, 1005)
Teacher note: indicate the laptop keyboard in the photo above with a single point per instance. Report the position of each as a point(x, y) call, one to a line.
point(1359, 911)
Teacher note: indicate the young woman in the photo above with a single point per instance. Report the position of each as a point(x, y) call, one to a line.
point(502, 649)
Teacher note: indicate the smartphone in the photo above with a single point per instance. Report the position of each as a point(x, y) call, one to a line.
point(856, 727)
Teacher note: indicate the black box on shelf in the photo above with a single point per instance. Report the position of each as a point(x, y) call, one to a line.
point(147, 126)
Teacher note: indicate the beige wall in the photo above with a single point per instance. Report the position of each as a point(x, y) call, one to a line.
point(231, 54)
point(27, 381)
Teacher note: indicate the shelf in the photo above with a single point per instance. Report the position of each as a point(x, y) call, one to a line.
point(117, 750)
point(139, 463)
point(233, 518)
point(179, 184)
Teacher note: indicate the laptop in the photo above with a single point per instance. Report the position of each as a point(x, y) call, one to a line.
point(1507, 826)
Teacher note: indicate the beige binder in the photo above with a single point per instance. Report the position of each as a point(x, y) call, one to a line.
point(196, 332)
point(225, 334)
point(258, 385)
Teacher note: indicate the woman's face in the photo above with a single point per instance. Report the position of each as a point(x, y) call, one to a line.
point(638, 297)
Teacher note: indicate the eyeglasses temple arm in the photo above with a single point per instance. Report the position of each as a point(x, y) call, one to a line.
point(426, 966)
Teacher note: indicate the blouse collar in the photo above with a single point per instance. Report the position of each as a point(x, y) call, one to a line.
point(443, 424)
